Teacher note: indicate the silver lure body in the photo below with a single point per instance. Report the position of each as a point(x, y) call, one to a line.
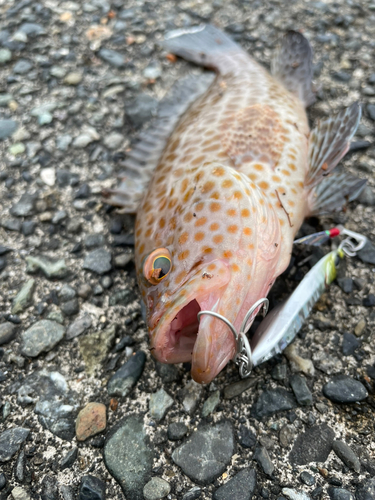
point(283, 323)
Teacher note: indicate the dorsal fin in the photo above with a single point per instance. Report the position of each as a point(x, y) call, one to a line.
point(329, 142)
point(142, 160)
point(292, 66)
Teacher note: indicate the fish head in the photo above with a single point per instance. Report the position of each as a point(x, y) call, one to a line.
point(219, 256)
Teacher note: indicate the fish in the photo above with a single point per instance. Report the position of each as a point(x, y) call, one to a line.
point(220, 184)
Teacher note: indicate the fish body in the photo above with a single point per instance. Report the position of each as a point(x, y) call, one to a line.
point(228, 194)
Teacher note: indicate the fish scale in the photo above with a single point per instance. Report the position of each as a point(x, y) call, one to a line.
point(228, 188)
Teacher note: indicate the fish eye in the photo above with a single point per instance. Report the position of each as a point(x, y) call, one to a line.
point(157, 265)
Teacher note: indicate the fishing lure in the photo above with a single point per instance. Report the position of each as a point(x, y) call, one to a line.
point(282, 324)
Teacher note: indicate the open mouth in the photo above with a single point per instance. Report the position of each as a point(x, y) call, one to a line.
point(182, 334)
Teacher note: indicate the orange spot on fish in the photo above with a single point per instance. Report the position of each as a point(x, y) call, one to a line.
point(276, 178)
point(245, 212)
point(188, 217)
point(247, 231)
point(237, 195)
point(235, 268)
point(231, 212)
point(232, 229)
point(263, 185)
point(180, 277)
point(211, 267)
point(214, 207)
point(258, 167)
point(201, 221)
point(199, 236)
point(199, 206)
point(183, 255)
point(214, 226)
point(227, 254)
point(227, 183)
point(253, 176)
point(142, 248)
point(207, 250)
point(285, 172)
point(218, 171)
point(183, 238)
point(292, 167)
point(208, 186)
point(215, 196)
point(184, 185)
point(218, 238)
point(162, 223)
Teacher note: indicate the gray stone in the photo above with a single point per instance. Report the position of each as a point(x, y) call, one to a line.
point(262, 457)
point(7, 332)
point(160, 402)
point(168, 373)
point(24, 297)
point(129, 457)
point(19, 493)
point(5, 99)
point(366, 491)
point(192, 494)
point(112, 57)
point(94, 241)
point(63, 142)
point(79, 326)
point(344, 389)
point(70, 308)
point(32, 29)
point(233, 390)
point(240, 487)
point(11, 224)
point(121, 297)
point(371, 111)
point(11, 441)
point(314, 445)
point(246, 437)
point(349, 343)
point(287, 435)
point(191, 395)
point(7, 128)
point(94, 348)
point(22, 66)
point(68, 460)
point(339, 494)
point(307, 478)
point(5, 56)
point(176, 431)
point(279, 372)
point(123, 259)
point(367, 254)
point(206, 453)
point(152, 71)
point(25, 206)
point(301, 391)
point(156, 489)
point(113, 140)
point(211, 403)
point(41, 337)
point(272, 401)
point(66, 293)
point(295, 495)
point(50, 268)
point(92, 488)
point(98, 261)
point(122, 382)
point(347, 455)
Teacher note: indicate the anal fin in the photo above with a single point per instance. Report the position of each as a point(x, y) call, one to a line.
point(138, 167)
point(334, 192)
point(329, 142)
point(292, 66)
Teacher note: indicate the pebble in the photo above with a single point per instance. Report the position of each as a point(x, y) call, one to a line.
point(246, 437)
point(48, 176)
point(128, 455)
point(299, 364)
point(11, 441)
point(191, 395)
point(295, 495)
point(314, 445)
point(272, 401)
point(5, 56)
point(369, 301)
point(11, 224)
point(347, 455)
point(112, 57)
point(68, 460)
point(73, 78)
point(19, 493)
point(17, 149)
point(7, 332)
point(92, 488)
point(339, 494)
point(88, 136)
point(62, 143)
point(349, 343)
point(346, 284)
point(206, 453)
point(95, 347)
point(192, 494)
point(301, 391)
point(91, 420)
point(211, 403)
point(237, 388)
point(42, 336)
point(287, 435)
point(122, 382)
point(176, 431)
point(367, 254)
point(98, 261)
point(279, 372)
point(160, 402)
point(307, 478)
point(360, 327)
point(263, 459)
point(79, 326)
point(123, 259)
point(121, 297)
point(24, 297)
point(22, 66)
point(3, 480)
point(50, 268)
point(70, 308)
point(240, 487)
point(344, 389)
point(25, 206)
point(366, 491)
point(114, 140)
point(156, 489)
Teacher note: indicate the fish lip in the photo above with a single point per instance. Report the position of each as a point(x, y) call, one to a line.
point(161, 344)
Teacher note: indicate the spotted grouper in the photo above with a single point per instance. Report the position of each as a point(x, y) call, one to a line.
point(220, 184)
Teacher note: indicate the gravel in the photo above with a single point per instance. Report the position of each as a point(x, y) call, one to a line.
point(78, 81)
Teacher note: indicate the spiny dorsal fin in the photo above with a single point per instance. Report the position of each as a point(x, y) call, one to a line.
point(292, 66)
point(329, 142)
point(142, 160)
point(334, 192)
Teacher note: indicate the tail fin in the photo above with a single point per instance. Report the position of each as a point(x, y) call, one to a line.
point(204, 45)
point(292, 65)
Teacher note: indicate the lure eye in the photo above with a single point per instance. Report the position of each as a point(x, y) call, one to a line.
point(157, 266)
